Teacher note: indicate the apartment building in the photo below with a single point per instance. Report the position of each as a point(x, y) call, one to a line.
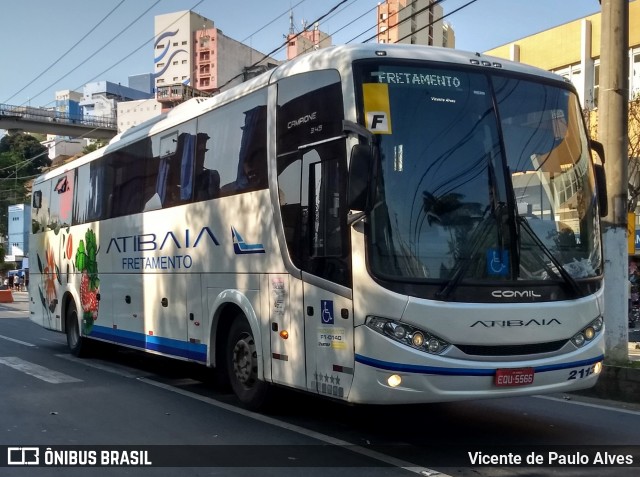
point(417, 22)
point(194, 58)
point(573, 51)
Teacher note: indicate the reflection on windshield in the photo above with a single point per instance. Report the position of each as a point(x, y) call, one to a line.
point(457, 179)
point(548, 155)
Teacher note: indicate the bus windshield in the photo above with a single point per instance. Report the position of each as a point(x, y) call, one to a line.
point(481, 177)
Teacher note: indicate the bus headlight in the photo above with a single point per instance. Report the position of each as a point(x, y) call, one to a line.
point(588, 333)
point(417, 339)
point(408, 335)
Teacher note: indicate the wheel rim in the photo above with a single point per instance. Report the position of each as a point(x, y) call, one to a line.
point(245, 361)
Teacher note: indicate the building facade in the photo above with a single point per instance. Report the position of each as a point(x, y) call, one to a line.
point(68, 103)
point(142, 82)
point(100, 99)
point(68, 106)
point(132, 113)
point(63, 147)
point(19, 216)
point(573, 50)
point(417, 22)
point(305, 41)
point(194, 58)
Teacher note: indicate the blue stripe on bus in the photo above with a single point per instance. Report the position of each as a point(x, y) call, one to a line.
point(183, 349)
point(413, 368)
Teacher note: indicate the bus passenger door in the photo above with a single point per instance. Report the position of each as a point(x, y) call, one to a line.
point(328, 307)
point(311, 159)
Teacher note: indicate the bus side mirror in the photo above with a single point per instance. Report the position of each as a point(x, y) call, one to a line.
point(601, 186)
point(598, 148)
point(37, 199)
point(601, 178)
point(359, 177)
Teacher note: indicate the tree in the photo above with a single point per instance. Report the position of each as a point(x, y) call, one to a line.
point(22, 158)
point(94, 146)
point(634, 153)
point(591, 117)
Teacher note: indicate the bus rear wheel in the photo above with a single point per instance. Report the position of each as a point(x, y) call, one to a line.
point(242, 365)
point(76, 342)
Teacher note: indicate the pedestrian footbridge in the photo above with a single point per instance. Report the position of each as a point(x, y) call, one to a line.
point(46, 121)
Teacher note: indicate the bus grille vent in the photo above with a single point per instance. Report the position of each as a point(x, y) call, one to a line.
point(512, 350)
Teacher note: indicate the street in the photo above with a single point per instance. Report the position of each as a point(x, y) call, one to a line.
point(125, 398)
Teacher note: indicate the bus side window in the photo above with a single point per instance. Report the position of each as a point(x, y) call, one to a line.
point(206, 180)
point(231, 147)
point(324, 223)
point(127, 167)
point(291, 207)
point(89, 198)
point(40, 215)
point(179, 173)
point(61, 202)
point(311, 162)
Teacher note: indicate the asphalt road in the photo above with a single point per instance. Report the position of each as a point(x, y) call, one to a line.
point(125, 398)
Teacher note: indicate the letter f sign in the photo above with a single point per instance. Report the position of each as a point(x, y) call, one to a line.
point(377, 122)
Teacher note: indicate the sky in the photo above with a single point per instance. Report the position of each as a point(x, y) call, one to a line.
point(48, 46)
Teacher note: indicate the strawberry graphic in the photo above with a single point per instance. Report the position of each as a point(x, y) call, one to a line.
point(88, 297)
point(87, 263)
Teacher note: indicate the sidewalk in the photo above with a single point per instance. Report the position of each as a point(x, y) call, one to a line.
point(19, 296)
point(634, 344)
point(634, 351)
point(619, 383)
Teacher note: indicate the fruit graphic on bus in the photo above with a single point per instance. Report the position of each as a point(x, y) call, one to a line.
point(87, 264)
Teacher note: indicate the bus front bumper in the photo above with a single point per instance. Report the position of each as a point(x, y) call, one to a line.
point(387, 372)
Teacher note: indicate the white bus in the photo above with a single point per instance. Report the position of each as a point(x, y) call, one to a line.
point(374, 223)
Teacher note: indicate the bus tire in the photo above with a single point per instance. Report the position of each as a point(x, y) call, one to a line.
point(76, 342)
point(241, 359)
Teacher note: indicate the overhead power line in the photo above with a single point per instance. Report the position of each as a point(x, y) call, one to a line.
point(136, 49)
point(91, 30)
point(349, 23)
point(341, 10)
point(272, 21)
point(439, 19)
point(98, 50)
point(410, 17)
point(283, 44)
point(374, 26)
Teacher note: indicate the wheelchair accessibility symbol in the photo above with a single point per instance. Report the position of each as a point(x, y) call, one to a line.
point(497, 262)
point(327, 311)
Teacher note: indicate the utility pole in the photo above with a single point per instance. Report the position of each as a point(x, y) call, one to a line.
point(613, 107)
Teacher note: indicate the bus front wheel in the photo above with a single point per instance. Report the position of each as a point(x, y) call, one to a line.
point(242, 365)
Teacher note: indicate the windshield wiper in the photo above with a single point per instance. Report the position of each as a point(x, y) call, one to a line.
point(564, 274)
point(482, 231)
point(475, 243)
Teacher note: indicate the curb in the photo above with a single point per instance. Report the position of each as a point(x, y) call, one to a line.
point(616, 383)
point(6, 296)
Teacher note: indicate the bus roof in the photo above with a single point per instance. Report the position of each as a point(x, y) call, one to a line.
point(336, 57)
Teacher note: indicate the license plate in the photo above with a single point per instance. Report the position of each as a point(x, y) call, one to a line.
point(514, 377)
